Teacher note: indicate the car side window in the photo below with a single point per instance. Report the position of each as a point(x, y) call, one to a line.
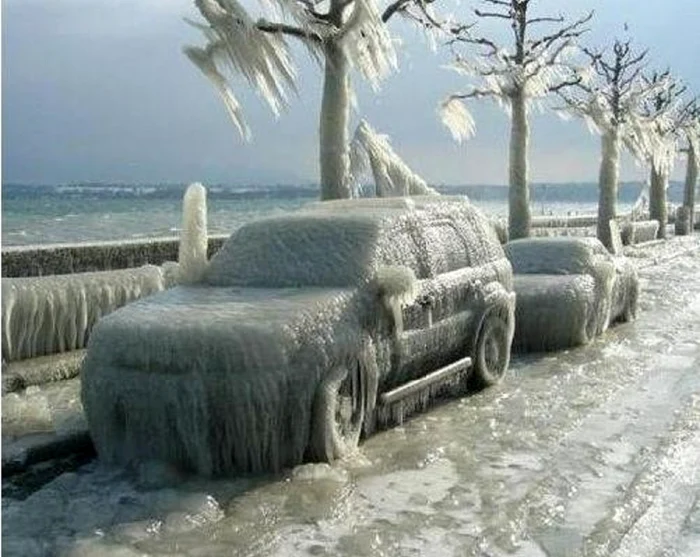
point(399, 247)
point(446, 247)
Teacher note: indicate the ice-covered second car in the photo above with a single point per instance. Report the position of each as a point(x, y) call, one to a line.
point(569, 290)
point(307, 329)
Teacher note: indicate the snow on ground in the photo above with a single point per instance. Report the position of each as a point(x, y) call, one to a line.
point(590, 451)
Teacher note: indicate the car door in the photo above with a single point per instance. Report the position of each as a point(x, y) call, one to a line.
point(443, 314)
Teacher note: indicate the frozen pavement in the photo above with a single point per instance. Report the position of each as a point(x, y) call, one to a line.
point(586, 452)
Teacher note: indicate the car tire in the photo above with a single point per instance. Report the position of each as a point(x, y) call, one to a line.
point(339, 413)
point(492, 353)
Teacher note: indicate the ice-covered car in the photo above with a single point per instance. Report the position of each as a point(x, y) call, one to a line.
point(568, 291)
point(308, 329)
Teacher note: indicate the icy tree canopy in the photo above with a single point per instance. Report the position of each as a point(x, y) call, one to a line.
point(525, 72)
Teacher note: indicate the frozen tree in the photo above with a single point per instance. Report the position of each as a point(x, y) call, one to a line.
point(690, 128)
point(611, 104)
point(340, 34)
point(662, 109)
point(534, 66)
point(392, 176)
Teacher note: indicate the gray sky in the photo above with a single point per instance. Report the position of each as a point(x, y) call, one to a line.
point(98, 90)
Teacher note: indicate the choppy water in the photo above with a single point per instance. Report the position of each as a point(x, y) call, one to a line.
point(66, 214)
point(593, 451)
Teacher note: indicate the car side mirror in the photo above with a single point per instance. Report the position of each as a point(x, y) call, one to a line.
point(397, 286)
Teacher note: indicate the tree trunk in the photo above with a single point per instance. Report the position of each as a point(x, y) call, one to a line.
point(333, 132)
point(607, 185)
point(658, 208)
point(519, 193)
point(691, 181)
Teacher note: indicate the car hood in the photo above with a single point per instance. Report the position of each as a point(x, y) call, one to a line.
point(206, 329)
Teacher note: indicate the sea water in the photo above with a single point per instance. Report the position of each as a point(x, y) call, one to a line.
point(87, 212)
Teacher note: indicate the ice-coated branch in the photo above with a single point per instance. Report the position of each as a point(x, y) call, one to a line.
point(236, 43)
point(393, 8)
point(456, 117)
point(290, 30)
point(367, 42)
point(572, 31)
point(559, 19)
point(481, 13)
point(392, 176)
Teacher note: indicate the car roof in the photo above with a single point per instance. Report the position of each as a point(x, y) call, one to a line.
point(336, 243)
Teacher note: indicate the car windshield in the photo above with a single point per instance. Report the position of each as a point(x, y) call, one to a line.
point(554, 255)
point(308, 250)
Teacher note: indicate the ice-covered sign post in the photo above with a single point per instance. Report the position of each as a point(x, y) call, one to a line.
point(611, 105)
point(663, 108)
point(515, 77)
point(340, 34)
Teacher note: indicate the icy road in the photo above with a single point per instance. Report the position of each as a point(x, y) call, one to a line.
point(589, 452)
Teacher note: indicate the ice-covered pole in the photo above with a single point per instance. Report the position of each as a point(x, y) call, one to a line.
point(193, 239)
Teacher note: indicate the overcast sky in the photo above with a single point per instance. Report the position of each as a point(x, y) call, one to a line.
point(98, 90)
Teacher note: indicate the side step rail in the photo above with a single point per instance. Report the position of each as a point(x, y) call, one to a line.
point(417, 385)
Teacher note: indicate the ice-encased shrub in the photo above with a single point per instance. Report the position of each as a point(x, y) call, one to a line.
point(55, 313)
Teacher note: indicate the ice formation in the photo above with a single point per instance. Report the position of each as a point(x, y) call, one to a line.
point(568, 291)
point(192, 256)
point(223, 376)
point(636, 232)
point(368, 43)
point(55, 313)
point(392, 176)
point(234, 40)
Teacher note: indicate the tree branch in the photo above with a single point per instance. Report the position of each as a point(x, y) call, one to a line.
point(491, 14)
point(268, 27)
point(394, 7)
point(559, 19)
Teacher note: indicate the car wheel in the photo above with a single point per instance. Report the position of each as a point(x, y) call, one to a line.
point(338, 415)
point(492, 354)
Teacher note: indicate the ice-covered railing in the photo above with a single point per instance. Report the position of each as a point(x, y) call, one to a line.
point(82, 257)
point(46, 315)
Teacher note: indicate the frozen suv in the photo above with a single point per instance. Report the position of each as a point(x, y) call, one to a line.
point(309, 329)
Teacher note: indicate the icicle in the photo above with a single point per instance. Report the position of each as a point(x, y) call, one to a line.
point(45, 315)
point(367, 43)
point(455, 115)
point(193, 241)
point(235, 41)
point(203, 59)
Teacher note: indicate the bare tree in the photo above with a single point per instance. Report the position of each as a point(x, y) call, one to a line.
point(340, 34)
point(662, 109)
point(611, 104)
point(533, 67)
